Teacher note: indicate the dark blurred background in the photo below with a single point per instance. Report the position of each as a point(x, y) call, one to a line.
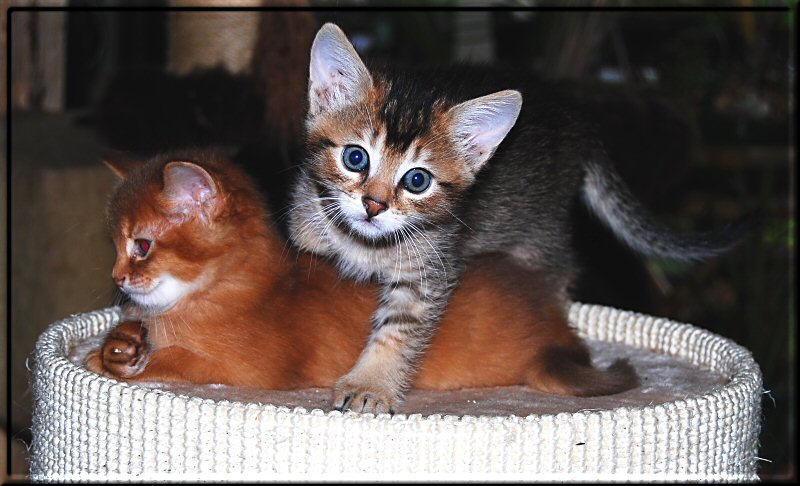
point(696, 108)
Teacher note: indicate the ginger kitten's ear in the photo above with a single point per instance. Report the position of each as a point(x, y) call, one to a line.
point(337, 76)
point(118, 167)
point(479, 125)
point(189, 189)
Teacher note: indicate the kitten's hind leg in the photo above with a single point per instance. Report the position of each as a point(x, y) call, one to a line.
point(558, 272)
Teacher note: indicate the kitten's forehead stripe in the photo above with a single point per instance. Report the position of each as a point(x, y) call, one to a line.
point(418, 152)
point(374, 137)
point(413, 158)
point(376, 149)
point(406, 113)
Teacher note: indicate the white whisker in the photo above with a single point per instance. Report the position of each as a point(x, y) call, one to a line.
point(458, 219)
point(435, 251)
point(420, 261)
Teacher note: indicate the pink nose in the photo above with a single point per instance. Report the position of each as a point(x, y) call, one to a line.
point(373, 207)
point(119, 281)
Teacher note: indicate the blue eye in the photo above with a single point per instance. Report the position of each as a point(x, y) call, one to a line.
point(355, 158)
point(417, 180)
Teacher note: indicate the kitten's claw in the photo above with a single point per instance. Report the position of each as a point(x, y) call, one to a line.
point(345, 404)
point(362, 398)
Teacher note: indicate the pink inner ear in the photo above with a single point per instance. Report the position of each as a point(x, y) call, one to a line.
point(481, 124)
point(337, 74)
point(188, 185)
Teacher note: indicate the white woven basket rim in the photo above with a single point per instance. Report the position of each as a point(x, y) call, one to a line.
point(740, 369)
point(686, 342)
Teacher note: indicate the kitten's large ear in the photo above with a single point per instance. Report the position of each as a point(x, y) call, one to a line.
point(190, 189)
point(479, 125)
point(337, 76)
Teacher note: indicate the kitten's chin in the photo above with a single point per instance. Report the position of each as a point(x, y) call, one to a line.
point(370, 230)
point(165, 293)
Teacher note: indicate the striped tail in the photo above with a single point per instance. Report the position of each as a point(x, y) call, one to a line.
point(614, 204)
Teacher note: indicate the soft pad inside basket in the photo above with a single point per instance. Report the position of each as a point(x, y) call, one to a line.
point(703, 427)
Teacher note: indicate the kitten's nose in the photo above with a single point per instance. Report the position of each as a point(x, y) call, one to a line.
point(373, 207)
point(119, 281)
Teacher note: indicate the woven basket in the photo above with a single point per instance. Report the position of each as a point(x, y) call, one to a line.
point(87, 427)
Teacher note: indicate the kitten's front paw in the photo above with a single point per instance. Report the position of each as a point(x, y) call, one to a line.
point(362, 397)
point(124, 352)
point(94, 362)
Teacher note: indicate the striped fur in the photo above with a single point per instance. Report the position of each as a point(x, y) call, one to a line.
point(495, 189)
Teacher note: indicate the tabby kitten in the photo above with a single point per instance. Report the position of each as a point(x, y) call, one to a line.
point(215, 300)
point(396, 187)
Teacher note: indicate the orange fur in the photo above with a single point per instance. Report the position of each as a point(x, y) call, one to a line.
point(271, 318)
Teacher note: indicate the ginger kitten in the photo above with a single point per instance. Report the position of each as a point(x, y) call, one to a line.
point(215, 298)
